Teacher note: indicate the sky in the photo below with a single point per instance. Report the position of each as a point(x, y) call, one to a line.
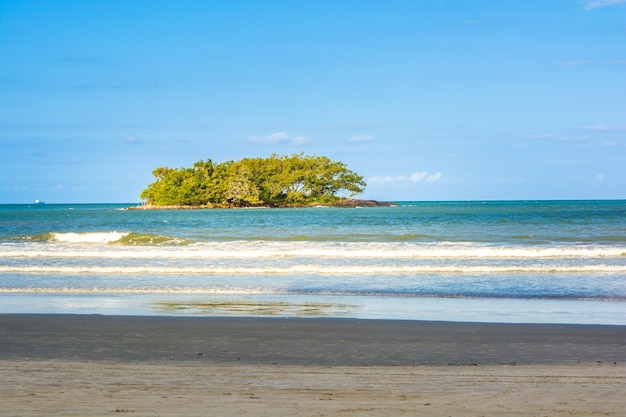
point(427, 100)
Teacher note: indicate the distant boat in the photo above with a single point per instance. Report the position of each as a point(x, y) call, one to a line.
point(39, 202)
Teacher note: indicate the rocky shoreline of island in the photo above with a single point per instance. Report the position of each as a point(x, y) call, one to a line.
point(348, 203)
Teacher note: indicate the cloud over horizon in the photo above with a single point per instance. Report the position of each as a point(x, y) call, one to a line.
point(415, 178)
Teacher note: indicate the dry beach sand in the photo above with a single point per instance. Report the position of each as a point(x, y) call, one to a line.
point(72, 365)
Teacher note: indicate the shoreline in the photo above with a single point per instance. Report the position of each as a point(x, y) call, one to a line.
point(349, 203)
point(92, 365)
point(305, 341)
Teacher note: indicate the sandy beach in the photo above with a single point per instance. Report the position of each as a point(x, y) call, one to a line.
point(66, 365)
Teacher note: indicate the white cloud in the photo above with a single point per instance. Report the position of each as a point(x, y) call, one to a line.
point(299, 141)
point(384, 180)
point(595, 4)
point(414, 178)
point(361, 138)
point(602, 128)
point(599, 177)
point(434, 177)
point(278, 138)
point(418, 176)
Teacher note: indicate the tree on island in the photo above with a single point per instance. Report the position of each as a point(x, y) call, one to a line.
point(274, 181)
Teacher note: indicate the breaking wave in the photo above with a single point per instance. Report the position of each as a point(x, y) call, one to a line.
point(312, 269)
point(140, 245)
point(102, 238)
point(93, 237)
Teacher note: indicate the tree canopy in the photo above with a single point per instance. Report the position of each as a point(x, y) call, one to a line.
point(274, 181)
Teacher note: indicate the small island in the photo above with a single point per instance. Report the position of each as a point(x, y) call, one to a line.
point(276, 181)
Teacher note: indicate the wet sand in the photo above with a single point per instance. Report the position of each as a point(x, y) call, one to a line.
point(66, 365)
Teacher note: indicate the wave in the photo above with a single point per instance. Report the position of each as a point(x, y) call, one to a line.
point(92, 237)
point(147, 246)
point(146, 290)
point(313, 269)
point(146, 239)
point(221, 291)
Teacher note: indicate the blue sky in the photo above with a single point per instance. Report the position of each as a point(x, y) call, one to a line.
point(428, 100)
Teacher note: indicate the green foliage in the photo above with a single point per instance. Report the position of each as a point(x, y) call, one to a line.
point(277, 180)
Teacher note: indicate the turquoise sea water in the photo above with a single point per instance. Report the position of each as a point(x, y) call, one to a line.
point(520, 261)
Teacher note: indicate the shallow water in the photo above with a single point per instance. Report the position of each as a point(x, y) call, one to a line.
point(548, 261)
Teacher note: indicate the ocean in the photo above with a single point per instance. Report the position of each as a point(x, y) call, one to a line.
point(493, 261)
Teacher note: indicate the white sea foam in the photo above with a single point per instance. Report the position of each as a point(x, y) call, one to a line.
point(312, 269)
point(102, 237)
point(134, 290)
point(313, 250)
